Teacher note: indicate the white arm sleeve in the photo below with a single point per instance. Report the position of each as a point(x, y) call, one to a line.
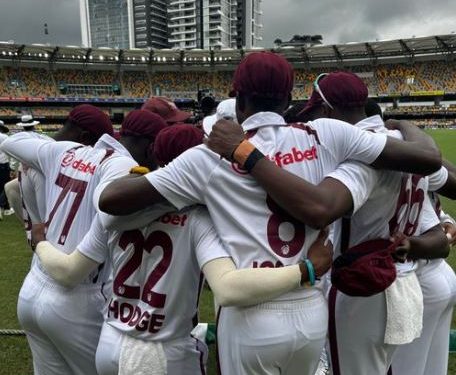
point(35, 152)
point(359, 179)
point(67, 269)
point(249, 286)
point(234, 287)
point(183, 182)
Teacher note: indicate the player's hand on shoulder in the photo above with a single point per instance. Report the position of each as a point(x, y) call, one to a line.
point(225, 137)
point(38, 234)
point(450, 231)
point(320, 253)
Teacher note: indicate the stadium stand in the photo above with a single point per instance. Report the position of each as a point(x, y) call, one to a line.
point(403, 79)
point(382, 80)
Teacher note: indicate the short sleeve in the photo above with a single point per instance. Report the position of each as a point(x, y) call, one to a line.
point(347, 142)
point(428, 218)
point(113, 168)
point(438, 179)
point(359, 179)
point(206, 242)
point(183, 182)
point(94, 245)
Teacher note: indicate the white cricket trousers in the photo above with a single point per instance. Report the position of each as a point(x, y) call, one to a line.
point(62, 325)
point(184, 356)
point(428, 355)
point(356, 334)
point(272, 338)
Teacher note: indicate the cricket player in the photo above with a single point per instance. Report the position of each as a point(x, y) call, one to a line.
point(46, 310)
point(256, 231)
point(157, 280)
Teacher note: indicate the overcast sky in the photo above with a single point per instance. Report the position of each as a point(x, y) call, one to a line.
point(338, 21)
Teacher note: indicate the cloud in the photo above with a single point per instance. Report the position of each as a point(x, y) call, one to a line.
point(339, 21)
point(357, 20)
point(23, 21)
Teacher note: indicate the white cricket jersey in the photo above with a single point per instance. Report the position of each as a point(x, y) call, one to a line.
point(156, 272)
point(426, 265)
point(388, 202)
point(3, 157)
point(256, 232)
point(33, 193)
point(72, 172)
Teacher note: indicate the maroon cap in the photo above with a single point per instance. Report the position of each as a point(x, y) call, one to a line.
point(265, 75)
point(342, 89)
point(165, 108)
point(142, 123)
point(174, 140)
point(92, 119)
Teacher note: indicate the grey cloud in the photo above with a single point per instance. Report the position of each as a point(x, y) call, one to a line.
point(23, 20)
point(338, 21)
point(357, 20)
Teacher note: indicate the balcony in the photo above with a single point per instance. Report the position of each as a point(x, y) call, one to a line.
point(180, 24)
point(179, 40)
point(161, 2)
point(179, 2)
point(176, 10)
point(160, 11)
point(179, 32)
point(159, 29)
point(182, 17)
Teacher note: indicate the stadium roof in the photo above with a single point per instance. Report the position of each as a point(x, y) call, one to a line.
point(350, 52)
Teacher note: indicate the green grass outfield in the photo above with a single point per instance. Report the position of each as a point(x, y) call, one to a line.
point(15, 357)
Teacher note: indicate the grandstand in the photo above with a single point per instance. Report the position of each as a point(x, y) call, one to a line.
point(415, 78)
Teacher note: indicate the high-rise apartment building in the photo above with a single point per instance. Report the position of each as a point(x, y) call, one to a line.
point(124, 23)
point(248, 23)
point(150, 23)
point(214, 23)
point(106, 23)
point(200, 23)
point(183, 24)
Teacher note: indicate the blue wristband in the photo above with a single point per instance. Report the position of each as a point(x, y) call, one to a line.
point(310, 271)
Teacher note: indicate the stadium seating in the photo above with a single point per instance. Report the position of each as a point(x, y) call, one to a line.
point(386, 79)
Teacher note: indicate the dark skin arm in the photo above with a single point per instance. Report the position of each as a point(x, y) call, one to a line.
point(449, 189)
point(127, 195)
point(432, 244)
point(317, 206)
point(419, 153)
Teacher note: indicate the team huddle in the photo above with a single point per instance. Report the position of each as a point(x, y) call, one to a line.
point(319, 232)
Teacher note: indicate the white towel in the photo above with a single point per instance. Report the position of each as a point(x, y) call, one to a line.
point(139, 357)
point(404, 316)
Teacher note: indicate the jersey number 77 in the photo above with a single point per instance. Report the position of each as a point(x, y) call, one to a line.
point(68, 185)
